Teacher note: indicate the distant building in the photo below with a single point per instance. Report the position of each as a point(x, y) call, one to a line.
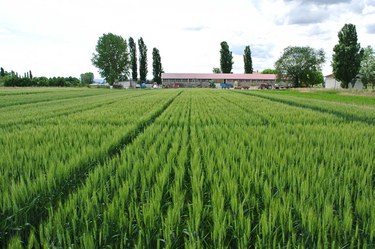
point(332, 83)
point(207, 79)
point(101, 81)
point(99, 85)
point(123, 84)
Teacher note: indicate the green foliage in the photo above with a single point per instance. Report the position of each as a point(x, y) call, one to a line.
point(2, 72)
point(247, 60)
point(142, 60)
point(301, 65)
point(42, 81)
point(3, 79)
point(87, 78)
point(15, 80)
point(226, 58)
point(367, 70)
point(269, 71)
point(133, 59)
point(347, 56)
point(112, 58)
point(314, 78)
point(216, 70)
point(157, 68)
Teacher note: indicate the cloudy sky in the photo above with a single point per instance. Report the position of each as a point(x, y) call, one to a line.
point(57, 38)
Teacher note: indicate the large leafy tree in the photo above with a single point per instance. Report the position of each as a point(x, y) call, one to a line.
point(300, 64)
point(248, 62)
point(87, 78)
point(133, 58)
point(142, 60)
point(111, 57)
point(347, 55)
point(226, 58)
point(367, 70)
point(157, 68)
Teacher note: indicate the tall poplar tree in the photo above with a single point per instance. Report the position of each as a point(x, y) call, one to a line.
point(247, 60)
point(157, 68)
point(133, 58)
point(142, 60)
point(226, 58)
point(347, 56)
point(2, 72)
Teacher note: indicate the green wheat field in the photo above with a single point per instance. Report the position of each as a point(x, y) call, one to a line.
point(186, 168)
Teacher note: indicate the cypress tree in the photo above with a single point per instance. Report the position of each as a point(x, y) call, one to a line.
point(142, 60)
point(347, 56)
point(247, 60)
point(133, 58)
point(156, 65)
point(226, 58)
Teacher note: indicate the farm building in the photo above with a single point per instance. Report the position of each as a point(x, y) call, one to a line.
point(123, 84)
point(332, 83)
point(98, 84)
point(205, 79)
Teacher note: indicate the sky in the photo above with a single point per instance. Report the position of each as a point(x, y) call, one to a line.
point(58, 38)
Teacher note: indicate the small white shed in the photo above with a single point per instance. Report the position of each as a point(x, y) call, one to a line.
point(332, 83)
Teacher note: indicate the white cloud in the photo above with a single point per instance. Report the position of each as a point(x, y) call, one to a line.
point(54, 38)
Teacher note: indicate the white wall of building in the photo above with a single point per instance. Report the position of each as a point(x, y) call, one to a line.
point(332, 83)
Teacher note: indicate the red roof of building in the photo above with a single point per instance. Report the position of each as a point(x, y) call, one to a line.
point(219, 76)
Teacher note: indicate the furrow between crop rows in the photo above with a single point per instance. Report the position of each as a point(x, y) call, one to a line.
point(39, 118)
point(192, 168)
point(131, 183)
point(26, 212)
point(4, 103)
point(24, 92)
point(344, 114)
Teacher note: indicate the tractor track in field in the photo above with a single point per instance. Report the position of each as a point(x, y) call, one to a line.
point(51, 100)
point(60, 193)
point(15, 125)
point(264, 120)
point(345, 116)
point(10, 126)
point(24, 93)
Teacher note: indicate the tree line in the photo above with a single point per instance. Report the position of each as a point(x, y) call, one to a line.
point(350, 62)
point(226, 60)
point(12, 79)
point(116, 59)
point(303, 65)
